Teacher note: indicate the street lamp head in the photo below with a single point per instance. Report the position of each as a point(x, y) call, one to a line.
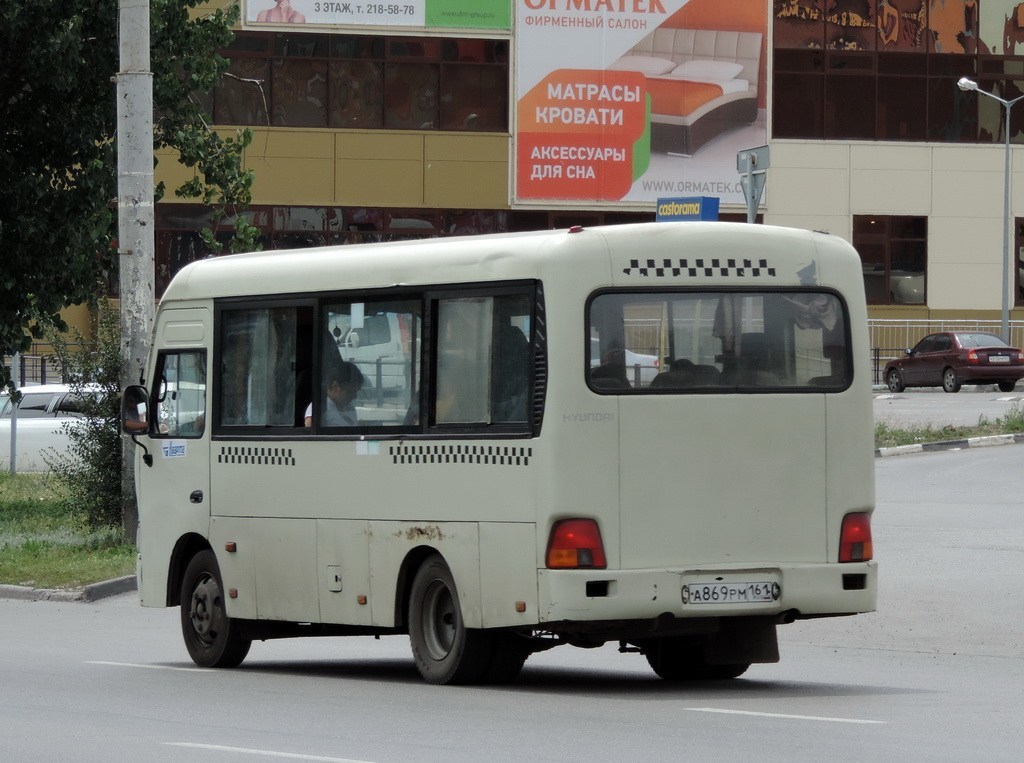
point(965, 84)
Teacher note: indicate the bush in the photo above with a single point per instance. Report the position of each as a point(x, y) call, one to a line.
point(90, 471)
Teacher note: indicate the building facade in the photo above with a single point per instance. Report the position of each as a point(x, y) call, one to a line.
point(446, 117)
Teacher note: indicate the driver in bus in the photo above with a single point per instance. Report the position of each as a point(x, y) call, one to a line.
point(343, 386)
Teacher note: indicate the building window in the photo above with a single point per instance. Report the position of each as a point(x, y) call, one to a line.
point(887, 70)
point(179, 241)
point(364, 82)
point(893, 252)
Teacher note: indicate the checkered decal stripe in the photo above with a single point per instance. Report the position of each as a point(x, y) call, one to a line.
point(705, 268)
point(256, 456)
point(461, 454)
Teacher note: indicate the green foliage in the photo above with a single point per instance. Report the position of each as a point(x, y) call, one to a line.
point(56, 157)
point(46, 543)
point(90, 472)
point(220, 180)
point(58, 150)
point(887, 436)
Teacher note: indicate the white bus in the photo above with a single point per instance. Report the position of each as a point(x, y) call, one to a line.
point(657, 434)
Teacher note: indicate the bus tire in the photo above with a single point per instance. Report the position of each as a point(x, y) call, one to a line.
point(445, 650)
point(678, 660)
point(212, 638)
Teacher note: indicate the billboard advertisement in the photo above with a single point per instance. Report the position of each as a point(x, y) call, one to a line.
point(484, 15)
point(634, 100)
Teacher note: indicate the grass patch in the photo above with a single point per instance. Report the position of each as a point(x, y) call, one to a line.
point(44, 545)
point(888, 436)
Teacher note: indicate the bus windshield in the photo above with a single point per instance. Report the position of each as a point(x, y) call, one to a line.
point(717, 340)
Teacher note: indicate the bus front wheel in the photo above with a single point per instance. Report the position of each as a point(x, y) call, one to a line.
point(211, 637)
point(445, 650)
point(677, 660)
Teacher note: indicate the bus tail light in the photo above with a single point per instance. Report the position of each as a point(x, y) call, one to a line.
point(855, 538)
point(575, 543)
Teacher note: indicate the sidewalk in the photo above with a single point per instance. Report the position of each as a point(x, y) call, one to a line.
point(969, 442)
point(91, 592)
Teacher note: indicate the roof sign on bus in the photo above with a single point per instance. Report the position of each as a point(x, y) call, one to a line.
point(687, 208)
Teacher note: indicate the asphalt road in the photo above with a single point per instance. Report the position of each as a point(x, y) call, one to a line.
point(918, 408)
point(935, 674)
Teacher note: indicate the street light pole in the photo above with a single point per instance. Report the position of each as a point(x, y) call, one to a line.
point(966, 84)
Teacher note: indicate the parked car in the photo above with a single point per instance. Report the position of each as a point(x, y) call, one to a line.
point(43, 411)
point(949, 359)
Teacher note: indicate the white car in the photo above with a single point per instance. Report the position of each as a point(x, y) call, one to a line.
point(648, 365)
point(43, 411)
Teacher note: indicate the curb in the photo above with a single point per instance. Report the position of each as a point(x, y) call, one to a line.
point(970, 442)
point(91, 592)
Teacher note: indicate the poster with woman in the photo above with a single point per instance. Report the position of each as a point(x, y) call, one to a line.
point(414, 14)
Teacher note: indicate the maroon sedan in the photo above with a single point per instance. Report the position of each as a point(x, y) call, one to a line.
point(951, 358)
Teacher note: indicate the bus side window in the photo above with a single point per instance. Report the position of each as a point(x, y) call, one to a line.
point(483, 360)
point(381, 339)
point(181, 404)
point(266, 352)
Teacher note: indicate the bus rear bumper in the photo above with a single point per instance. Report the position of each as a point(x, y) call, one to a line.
point(797, 590)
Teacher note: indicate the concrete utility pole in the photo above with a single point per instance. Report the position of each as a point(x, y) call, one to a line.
point(134, 216)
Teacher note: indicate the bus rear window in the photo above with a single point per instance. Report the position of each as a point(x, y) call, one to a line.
point(717, 341)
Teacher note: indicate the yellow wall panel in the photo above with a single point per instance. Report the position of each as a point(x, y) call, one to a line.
point(291, 144)
point(378, 144)
point(379, 183)
point(470, 148)
point(306, 182)
point(471, 185)
point(369, 168)
point(172, 173)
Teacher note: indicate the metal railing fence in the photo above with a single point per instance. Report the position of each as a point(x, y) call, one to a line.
point(35, 367)
point(891, 337)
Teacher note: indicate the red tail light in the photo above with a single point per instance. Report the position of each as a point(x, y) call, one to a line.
point(855, 538)
point(575, 543)
point(972, 357)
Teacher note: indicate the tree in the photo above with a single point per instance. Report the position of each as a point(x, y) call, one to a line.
point(90, 470)
point(57, 144)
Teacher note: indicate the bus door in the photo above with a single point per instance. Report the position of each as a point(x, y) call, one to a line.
point(722, 401)
point(175, 489)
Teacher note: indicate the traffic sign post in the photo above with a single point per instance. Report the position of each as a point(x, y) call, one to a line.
point(752, 164)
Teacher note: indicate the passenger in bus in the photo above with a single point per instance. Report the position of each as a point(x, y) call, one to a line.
point(343, 386)
point(511, 385)
point(756, 362)
point(611, 374)
point(679, 375)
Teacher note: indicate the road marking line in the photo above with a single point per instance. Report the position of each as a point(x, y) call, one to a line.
point(148, 667)
point(266, 753)
point(780, 715)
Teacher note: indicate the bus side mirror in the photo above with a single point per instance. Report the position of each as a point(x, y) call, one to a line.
point(134, 409)
point(135, 416)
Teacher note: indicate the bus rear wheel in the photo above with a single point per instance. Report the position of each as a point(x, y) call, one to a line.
point(678, 660)
point(212, 638)
point(445, 650)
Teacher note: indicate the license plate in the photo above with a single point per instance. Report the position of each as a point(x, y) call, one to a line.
point(730, 593)
point(998, 358)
